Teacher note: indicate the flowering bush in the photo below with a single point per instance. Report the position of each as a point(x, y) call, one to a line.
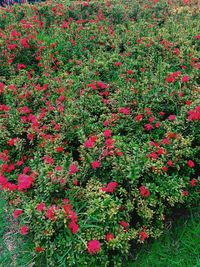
point(99, 124)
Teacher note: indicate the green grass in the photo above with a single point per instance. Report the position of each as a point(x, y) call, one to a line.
point(179, 246)
point(5, 255)
point(19, 254)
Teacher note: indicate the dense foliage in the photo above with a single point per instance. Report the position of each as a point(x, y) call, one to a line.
point(99, 126)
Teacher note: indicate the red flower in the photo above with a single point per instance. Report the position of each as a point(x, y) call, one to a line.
point(101, 85)
point(185, 193)
point(129, 72)
point(41, 206)
point(157, 125)
point(185, 79)
point(109, 143)
point(164, 168)
point(3, 180)
point(16, 213)
point(172, 117)
point(193, 182)
point(21, 66)
point(124, 224)
point(107, 133)
point(161, 113)
point(170, 163)
point(89, 143)
point(38, 249)
point(93, 246)
point(73, 226)
point(153, 155)
point(148, 127)
point(125, 111)
point(59, 149)
point(24, 181)
point(24, 230)
point(24, 43)
point(194, 114)
point(12, 141)
point(51, 213)
point(144, 192)
point(110, 188)
point(190, 163)
point(95, 164)
point(93, 86)
point(117, 64)
point(170, 79)
point(73, 169)
point(109, 236)
point(48, 159)
point(138, 117)
point(143, 235)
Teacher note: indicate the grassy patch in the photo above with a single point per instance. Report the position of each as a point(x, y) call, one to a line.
point(179, 246)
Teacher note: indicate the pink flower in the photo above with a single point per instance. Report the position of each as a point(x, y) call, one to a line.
point(16, 213)
point(190, 163)
point(95, 164)
point(24, 230)
point(144, 192)
point(185, 79)
point(93, 246)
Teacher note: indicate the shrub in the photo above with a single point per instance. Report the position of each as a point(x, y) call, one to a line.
point(99, 124)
